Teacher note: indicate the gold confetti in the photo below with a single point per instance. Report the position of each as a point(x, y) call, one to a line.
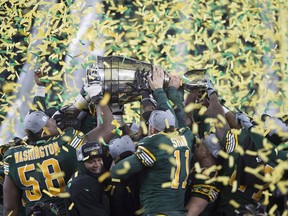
point(114, 122)
point(201, 176)
point(65, 149)
point(266, 197)
point(105, 99)
point(234, 203)
point(223, 154)
point(139, 212)
point(234, 186)
point(272, 209)
point(66, 138)
point(144, 128)
point(223, 179)
point(126, 167)
point(57, 175)
point(71, 206)
point(64, 195)
point(104, 176)
point(57, 190)
point(166, 185)
point(197, 167)
point(241, 53)
point(48, 193)
point(195, 128)
point(254, 172)
point(231, 161)
point(169, 149)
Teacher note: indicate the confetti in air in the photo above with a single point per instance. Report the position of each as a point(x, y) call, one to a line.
point(242, 44)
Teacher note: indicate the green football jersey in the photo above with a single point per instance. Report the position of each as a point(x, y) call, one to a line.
point(166, 160)
point(242, 149)
point(41, 171)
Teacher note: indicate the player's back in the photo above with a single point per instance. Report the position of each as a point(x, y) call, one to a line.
point(163, 184)
point(246, 193)
point(41, 171)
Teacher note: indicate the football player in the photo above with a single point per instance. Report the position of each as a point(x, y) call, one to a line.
point(39, 170)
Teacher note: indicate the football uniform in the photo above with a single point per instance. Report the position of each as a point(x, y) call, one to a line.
point(42, 170)
point(242, 187)
point(163, 162)
point(84, 122)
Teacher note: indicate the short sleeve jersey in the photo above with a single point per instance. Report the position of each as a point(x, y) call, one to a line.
point(41, 171)
point(166, 157)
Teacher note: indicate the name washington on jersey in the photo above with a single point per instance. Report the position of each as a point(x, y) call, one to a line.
point(36, 152)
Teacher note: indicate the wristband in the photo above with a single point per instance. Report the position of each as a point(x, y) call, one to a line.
point(80, 102)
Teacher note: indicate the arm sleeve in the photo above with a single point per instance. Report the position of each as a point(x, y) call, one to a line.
point(126, 168)
point(274, 154)
point(161, 99)
point(230, 141)
point(177, 99)
point(203, 190)
point(163, 102)
point(71, 137)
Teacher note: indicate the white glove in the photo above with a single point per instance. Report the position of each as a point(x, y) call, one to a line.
point(210, 87)
point(92, 90)
point(243, 120)
point(86, 94)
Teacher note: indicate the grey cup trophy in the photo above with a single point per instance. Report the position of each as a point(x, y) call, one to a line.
point(194, 79)
point(122, 77)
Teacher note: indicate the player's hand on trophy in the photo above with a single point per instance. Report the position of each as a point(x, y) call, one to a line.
point(243, 120)
point(92, 92)
point(89, 94)
point(157, 80)
point(210, 87)
point(174, 81)
point(94, 96)
point(38, 74)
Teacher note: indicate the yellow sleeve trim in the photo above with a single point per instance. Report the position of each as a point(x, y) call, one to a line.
point(148, 152)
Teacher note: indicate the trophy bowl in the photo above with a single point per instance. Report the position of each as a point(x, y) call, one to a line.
point(194, 80)
point(122, 77)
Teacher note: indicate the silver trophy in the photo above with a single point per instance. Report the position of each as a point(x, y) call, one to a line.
point(194, 80)
point(122, 77)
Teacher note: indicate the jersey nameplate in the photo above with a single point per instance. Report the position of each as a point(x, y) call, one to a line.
point(36, 152)
point(179, 141)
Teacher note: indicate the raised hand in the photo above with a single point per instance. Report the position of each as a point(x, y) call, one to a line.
point(38, 74)
point(210, 87)
point(91, 91)
point(67, 117)
point(174, 81)
point(158, 78)
point(243, 120)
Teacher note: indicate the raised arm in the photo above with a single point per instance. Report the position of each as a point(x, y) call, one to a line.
point(159, 94)
point(12, 197)
point(177, 99)
point(215, 110)
point(104, 127)
point(40, 92)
